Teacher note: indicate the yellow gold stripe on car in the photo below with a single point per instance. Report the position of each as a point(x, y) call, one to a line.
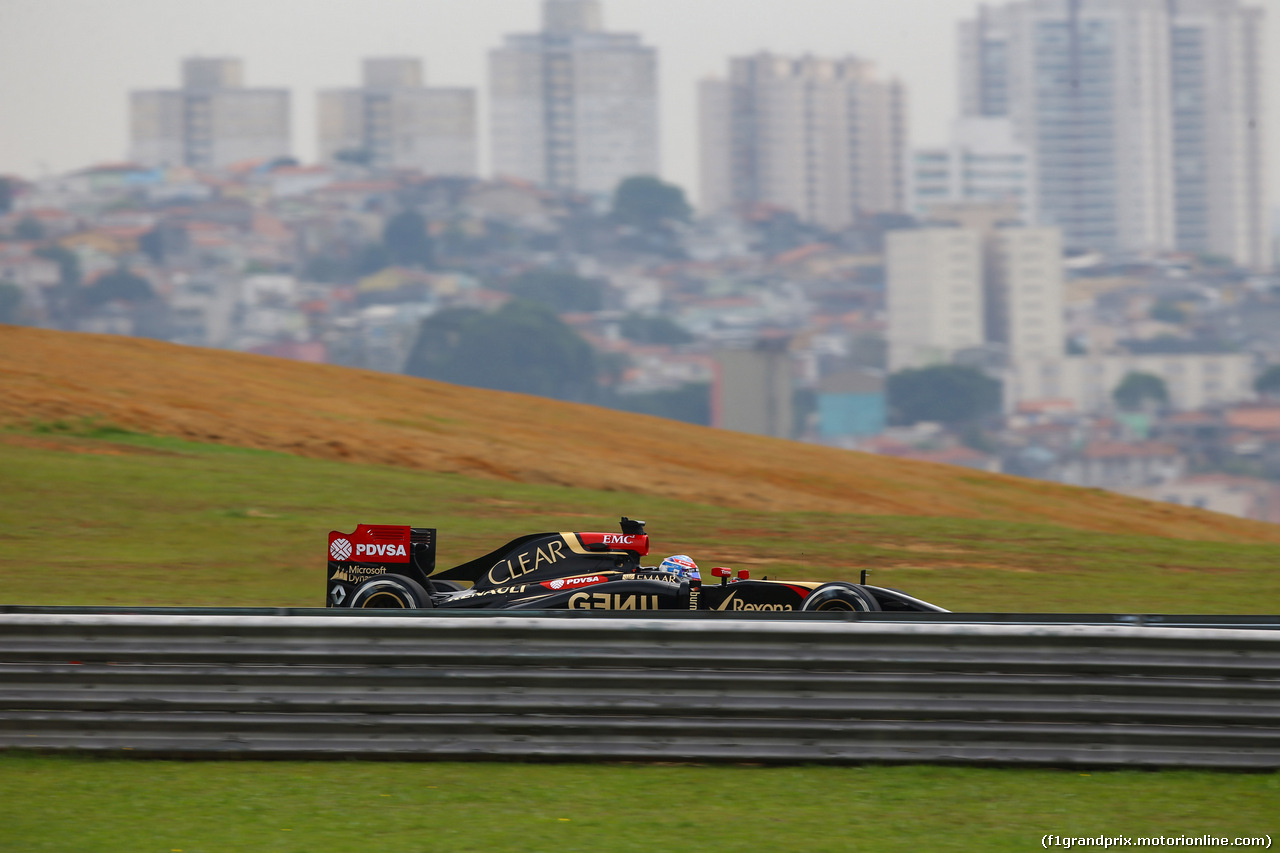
point(571, 539)
point(575, 545)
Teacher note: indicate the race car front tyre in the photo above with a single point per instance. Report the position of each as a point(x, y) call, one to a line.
point(390, 592)
point(841, 596)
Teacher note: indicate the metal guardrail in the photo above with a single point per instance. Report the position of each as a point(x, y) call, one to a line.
point(535, 687)
point(1253, 622)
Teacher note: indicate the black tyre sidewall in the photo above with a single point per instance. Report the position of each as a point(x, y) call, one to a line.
point(387, 588)
point(854, 597)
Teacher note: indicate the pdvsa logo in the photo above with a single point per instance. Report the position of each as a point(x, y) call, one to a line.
point(574, 583)
point(340, 549)
point(380, 551)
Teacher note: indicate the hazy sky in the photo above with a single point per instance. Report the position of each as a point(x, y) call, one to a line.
point(66, 66)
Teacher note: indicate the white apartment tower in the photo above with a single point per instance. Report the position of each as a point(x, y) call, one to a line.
point(824, 138)
point(981, 283)
point(934, 295)
point(1220, 180)
point(395, 121)
point(1024, 292)
point(1144, 117)
point(212, 122)
point(574, 107)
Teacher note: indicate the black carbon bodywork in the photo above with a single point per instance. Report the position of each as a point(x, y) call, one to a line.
point(563, 571)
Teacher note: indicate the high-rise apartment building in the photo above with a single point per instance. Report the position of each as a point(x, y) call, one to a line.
point(1144, 117)
point(979, 283)
point(822, 137)
point(934, 295)
point(983, 162)
point(395, 121)
point(212, 122)
point(574, 107)
point(1023, 289)
point(1220, 180)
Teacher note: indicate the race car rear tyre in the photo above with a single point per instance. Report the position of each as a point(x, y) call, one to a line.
point(839, 596)
point(390, 592)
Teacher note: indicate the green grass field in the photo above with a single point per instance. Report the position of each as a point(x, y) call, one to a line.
point(91, 516)
point(116, 519)
point(65, 804)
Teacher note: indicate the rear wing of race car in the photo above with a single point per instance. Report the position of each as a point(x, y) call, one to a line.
point(379, 549)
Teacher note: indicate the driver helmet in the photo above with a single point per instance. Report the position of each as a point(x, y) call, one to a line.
point(681, 565)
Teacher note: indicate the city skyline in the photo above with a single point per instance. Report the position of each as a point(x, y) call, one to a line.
point(67, 67)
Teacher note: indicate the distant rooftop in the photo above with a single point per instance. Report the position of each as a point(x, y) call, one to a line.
point(572, 16)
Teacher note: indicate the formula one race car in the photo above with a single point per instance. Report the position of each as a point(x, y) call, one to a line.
point(392, 566)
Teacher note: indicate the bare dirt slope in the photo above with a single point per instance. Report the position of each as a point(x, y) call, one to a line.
point(338, 413)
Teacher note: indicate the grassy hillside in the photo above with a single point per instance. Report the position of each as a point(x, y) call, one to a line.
point(96, 516)
point(332, 413)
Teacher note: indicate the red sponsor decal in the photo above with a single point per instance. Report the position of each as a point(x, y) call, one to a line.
point(371, 543)
point(637, 542)
point(574, 583)
point(801, 591)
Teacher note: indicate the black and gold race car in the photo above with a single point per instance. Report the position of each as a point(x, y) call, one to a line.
point(394, 566)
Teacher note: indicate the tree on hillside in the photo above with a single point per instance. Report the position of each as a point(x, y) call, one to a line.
point(521, 347)
point(642, 329)
point(646, 202)
point(406, 240)
point(61, 299)
point(1268, 384)
point(10, 301)
point(690, 403)
point(951, 394)
point(354, 156)
point(118, 286)
point(29, 228)
point(562, 292)
point(1168, 311)
point(1139, 389)
point(68, 264)
point(165, 241)
point(371, 259)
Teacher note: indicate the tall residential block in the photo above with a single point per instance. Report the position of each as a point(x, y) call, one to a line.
point(1086, 85)
point(1220, 169)
point(752, 391)
point(935, 295)
point(212, 122)
point(394, 121)
point(824, 138)
point(573, 106)
point(981, 282)
point(1145, 117)
point(1024, 292)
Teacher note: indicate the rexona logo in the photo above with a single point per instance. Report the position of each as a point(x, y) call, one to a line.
point(735, 603)
point(378, 550)
point(574, 583)
point(340, 549)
